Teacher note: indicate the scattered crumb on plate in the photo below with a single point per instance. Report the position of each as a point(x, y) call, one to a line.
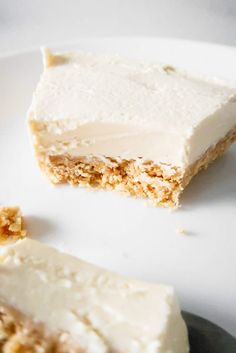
point(181, 231)
point(12, 225)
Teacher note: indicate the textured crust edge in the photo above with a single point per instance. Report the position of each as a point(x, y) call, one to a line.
point(162, 184)
point(19, 334)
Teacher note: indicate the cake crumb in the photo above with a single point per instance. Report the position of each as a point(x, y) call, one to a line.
point(12, 225)
point(169, 69)
point(181, 231)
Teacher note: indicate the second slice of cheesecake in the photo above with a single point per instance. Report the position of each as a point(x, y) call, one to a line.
point(51, 302)
point(140, 128)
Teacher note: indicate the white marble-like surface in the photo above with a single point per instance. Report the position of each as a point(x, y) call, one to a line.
point(30, 23)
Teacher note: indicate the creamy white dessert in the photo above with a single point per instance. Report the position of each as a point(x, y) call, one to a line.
point(142, 128)
point(58, 303)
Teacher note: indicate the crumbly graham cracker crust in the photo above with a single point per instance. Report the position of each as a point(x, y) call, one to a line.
point(160, 183)
point(12, 225)
point(20, 335)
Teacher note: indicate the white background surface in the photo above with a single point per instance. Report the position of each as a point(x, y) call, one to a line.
point(120, 233)
point(30, 23)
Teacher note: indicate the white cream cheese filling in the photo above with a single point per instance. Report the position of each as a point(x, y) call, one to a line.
point(91, 104)
point(109, 140)
point(102, 311)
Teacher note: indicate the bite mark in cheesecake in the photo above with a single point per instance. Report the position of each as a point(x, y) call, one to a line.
point(140, 128)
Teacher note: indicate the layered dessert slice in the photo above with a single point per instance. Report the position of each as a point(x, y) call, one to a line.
point(141, 128)
point(53, 302)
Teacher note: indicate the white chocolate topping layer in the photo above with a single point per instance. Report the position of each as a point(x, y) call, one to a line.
point(129, 109)
point(102, 311)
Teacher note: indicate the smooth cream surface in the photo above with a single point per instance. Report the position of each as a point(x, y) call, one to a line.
point(103, 311)
point(140, 109)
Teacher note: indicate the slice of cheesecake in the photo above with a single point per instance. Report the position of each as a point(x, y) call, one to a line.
point(51, 302)
point(140, 128)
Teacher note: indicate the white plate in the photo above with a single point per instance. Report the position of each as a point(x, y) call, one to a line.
point(121, 233)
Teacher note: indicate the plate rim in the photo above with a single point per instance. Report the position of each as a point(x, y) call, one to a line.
point(176, 41)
